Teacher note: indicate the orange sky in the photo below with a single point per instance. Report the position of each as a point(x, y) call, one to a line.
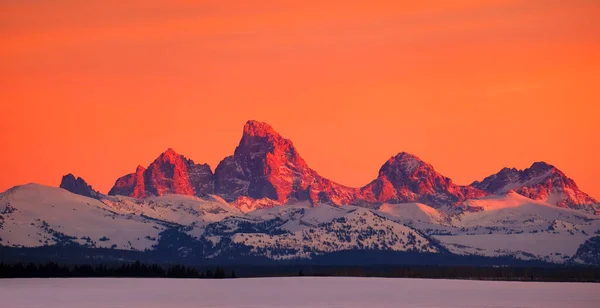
point(98, 87)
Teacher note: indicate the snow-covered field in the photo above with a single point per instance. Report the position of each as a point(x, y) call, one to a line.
point(292, 292)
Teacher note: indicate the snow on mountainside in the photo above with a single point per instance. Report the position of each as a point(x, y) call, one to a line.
point(516, 225)
point(506, 225)
point(509, 199)
point(301, 215)
point(542, 182)
point(358, 229)
point(35, 215)
point(265, 200)
point(415, 212)
point(178, 209)
point(247, 204)
point(513, 213)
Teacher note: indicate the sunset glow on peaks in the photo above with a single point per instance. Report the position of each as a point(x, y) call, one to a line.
point(98, 87)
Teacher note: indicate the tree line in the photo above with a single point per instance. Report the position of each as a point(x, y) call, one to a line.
point(140, 270)
point(132, 270)
point(503, 273)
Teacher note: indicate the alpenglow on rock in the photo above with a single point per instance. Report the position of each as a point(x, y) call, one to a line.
point(170, 173)
point(266, 165)
point(406, 178)
point(542, 182)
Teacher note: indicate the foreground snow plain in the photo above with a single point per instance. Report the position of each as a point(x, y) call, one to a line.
point(292, 292)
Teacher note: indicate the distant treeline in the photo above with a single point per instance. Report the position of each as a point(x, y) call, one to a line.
point(140, 270)
point(137, 270)
point(565, 274)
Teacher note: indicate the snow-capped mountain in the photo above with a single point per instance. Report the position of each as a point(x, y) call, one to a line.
point(503, 225)
point(35, 215)
point(265, 201)
point(542, 182)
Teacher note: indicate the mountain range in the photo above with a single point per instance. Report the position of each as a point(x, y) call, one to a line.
point(265, 201)
point(267, 165)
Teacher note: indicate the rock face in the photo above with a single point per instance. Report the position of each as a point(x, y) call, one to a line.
point(406, 178)
point(170, 173)
point(542, 182)
point(266, 165)
point(267, 168)
point(78, 186)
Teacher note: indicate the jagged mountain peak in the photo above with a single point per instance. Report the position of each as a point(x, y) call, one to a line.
point(257, 128)
point(169, 173)
point(508, 170)
point(169, 153)
point(407, 156)
point(511, 178)
point(542, 169)
point(407, 167)
point(266, 165)
point(170, 156)
point(69, 177)
point(260, 138)
point(541, 165)
point(541, 181)
point(407, 162)
point(407, 178)
point(78, 186)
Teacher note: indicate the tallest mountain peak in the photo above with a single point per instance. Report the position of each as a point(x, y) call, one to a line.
point(267, 165)
point(256, 128)
point(170, 151)
point(170, 154)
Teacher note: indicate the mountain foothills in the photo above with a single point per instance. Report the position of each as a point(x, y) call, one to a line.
point(265, 202)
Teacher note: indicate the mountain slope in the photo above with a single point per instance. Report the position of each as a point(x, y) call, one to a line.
point(503, 225)
point(541, 182)
point(514, 225)
point(35, 215)
point(358, 229)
